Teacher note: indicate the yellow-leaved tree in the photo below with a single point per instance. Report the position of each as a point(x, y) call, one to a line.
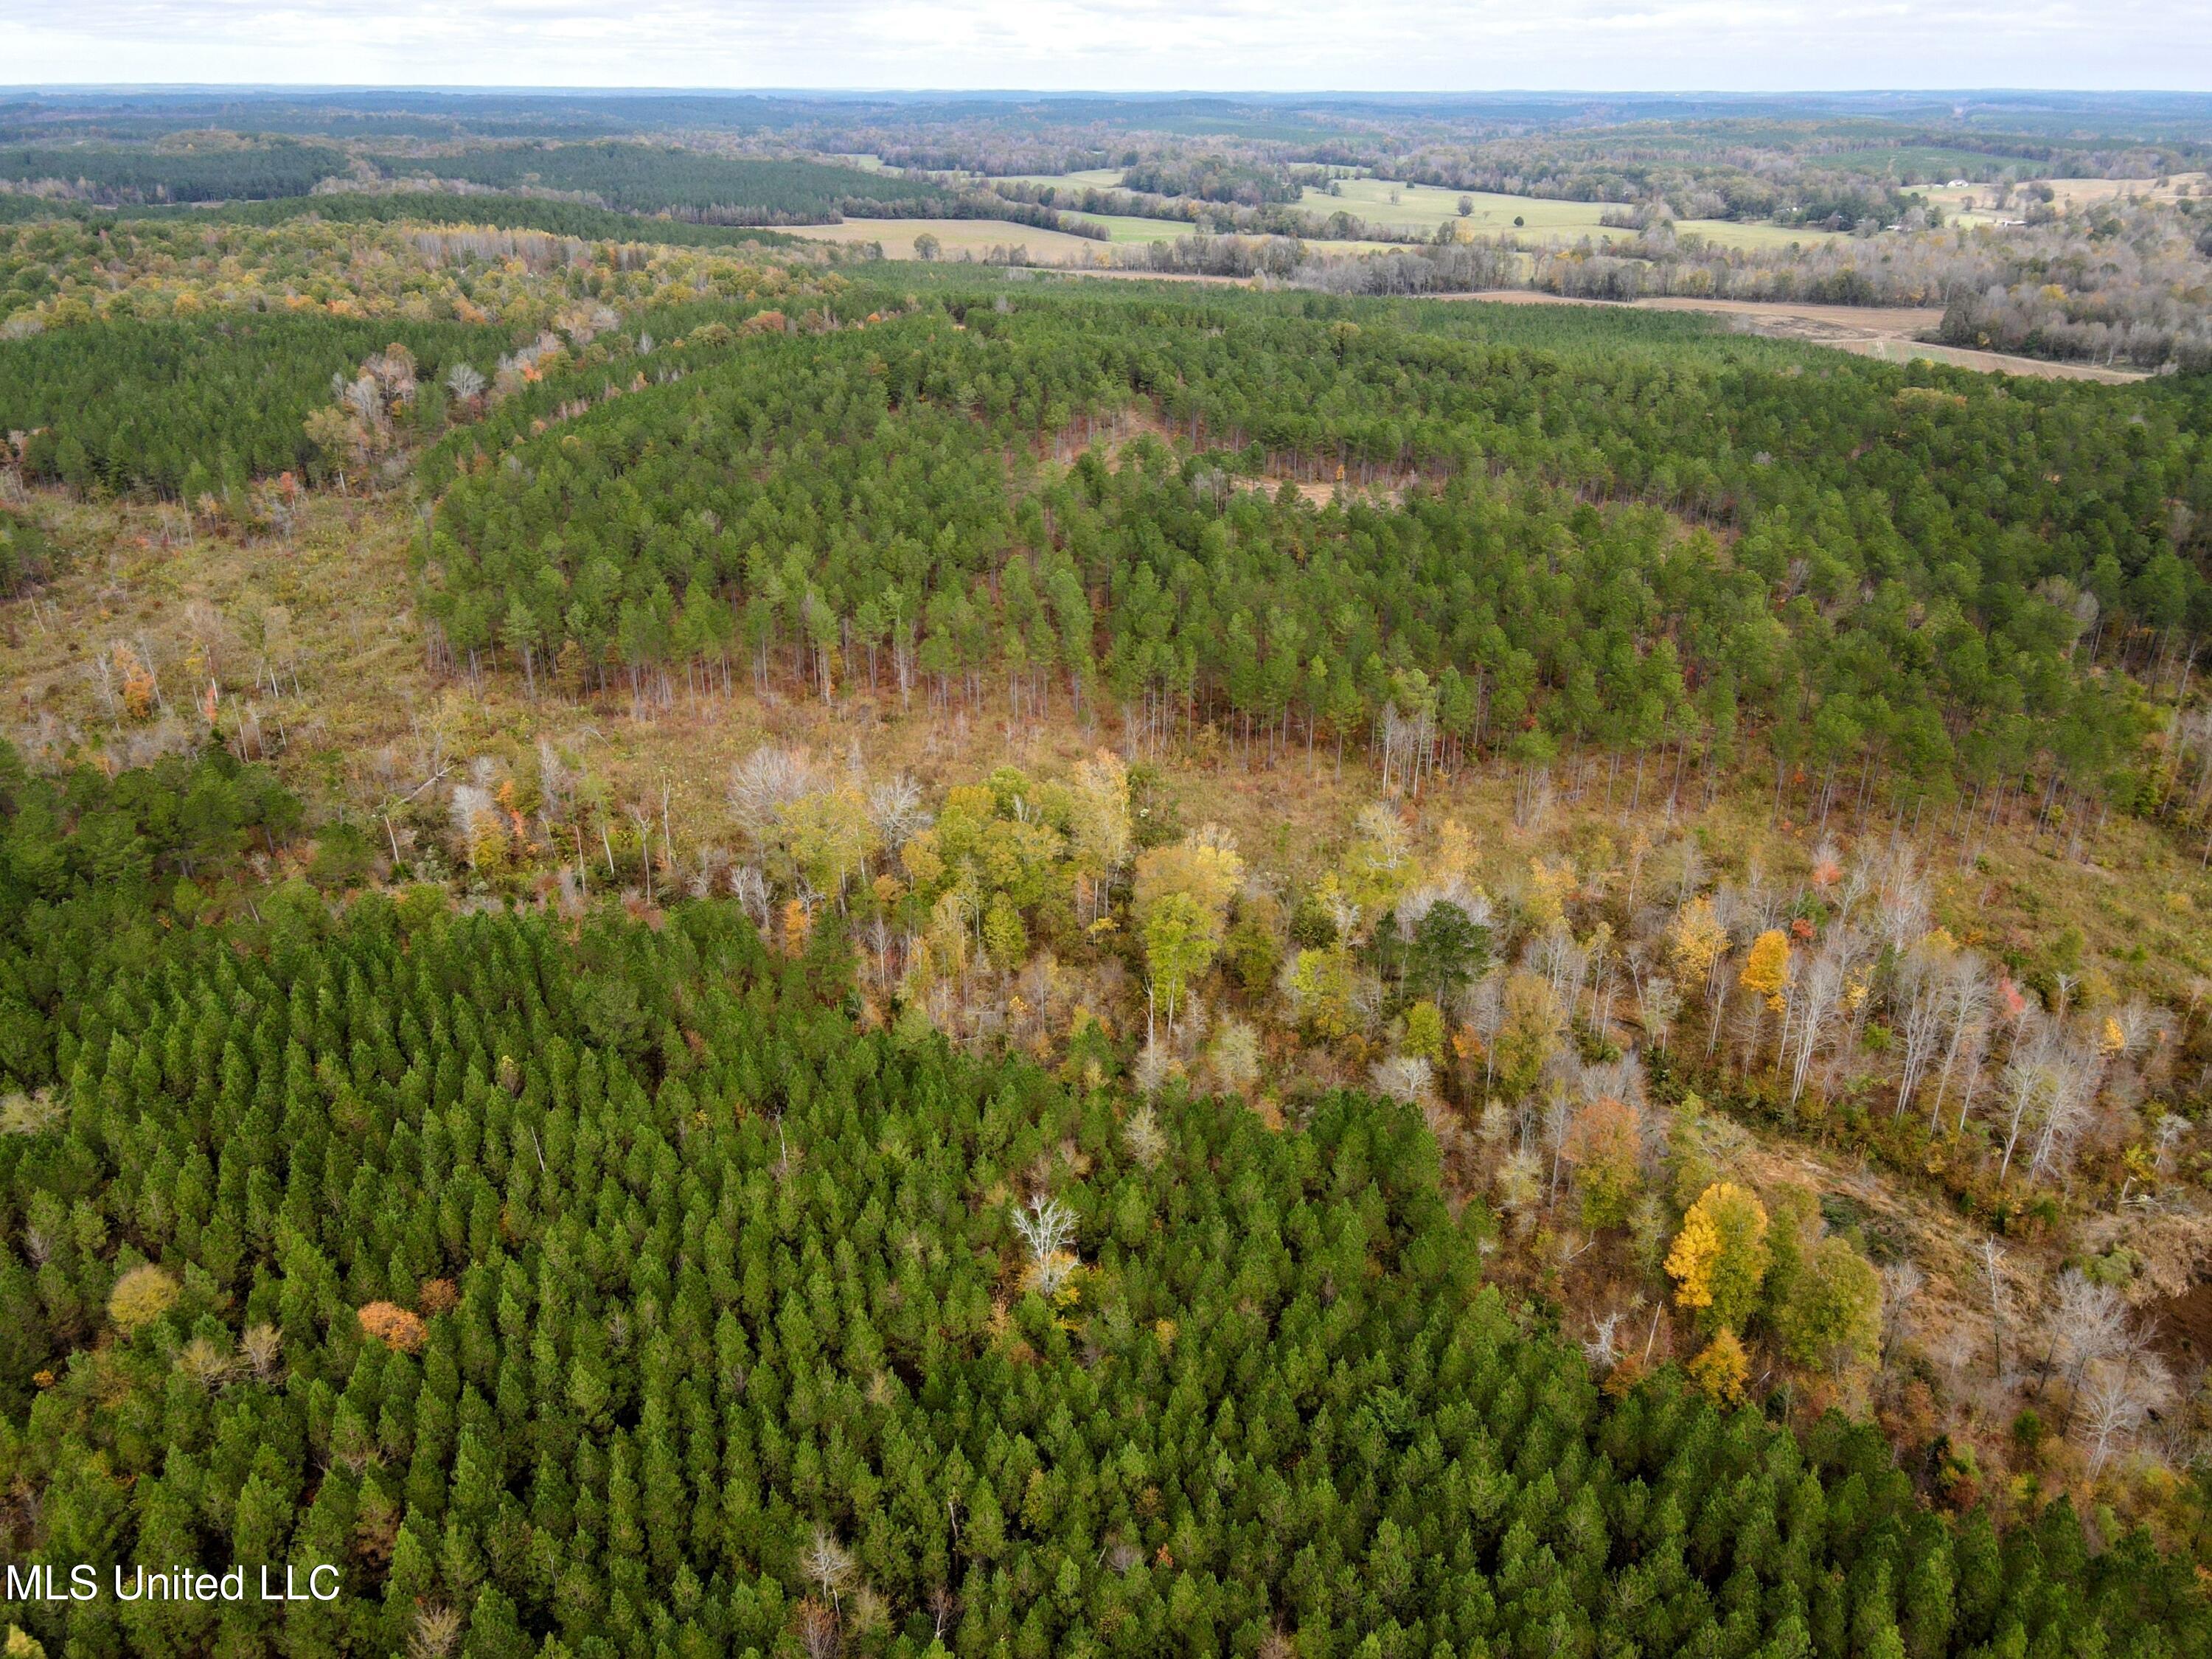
point(1203, 864)
point(1720, 1368)
point(1766, 968)
point(1765, 972)
point(1101, 829)
point(1719, 1256)
point(140, 1297)
point(1696, 941)
point(1182, 896)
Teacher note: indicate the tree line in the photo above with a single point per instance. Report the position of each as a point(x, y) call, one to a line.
point(110, 174)
point(640, 178)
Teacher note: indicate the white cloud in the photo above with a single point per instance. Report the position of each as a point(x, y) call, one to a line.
point(1060, 45)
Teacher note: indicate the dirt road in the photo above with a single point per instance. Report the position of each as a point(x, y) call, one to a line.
point(1890, 333)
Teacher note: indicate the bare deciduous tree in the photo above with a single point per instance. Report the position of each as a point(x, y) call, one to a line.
point(764, 783)
point(828, 1563)
point(1048, 1227)
point(1920, 1020)
point(2089, 1325)
point(1967, 996)
point(1827, 985)
point(1600, 1350)
point(2116, 1398)
point(1901, 1284)
point(465, 382)
point(2044, 1097)
point(895, 808)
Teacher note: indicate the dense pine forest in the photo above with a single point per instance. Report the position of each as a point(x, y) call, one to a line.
point(217, 173)
point(642, 179)
point(604, 1290)
point(710, 946)
point(1888, 573)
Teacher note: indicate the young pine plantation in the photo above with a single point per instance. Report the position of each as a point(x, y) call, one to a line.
point(781, 963)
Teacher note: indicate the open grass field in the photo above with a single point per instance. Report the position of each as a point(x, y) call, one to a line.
point(1995, 362)
point(2087, 192)
point(1756, 237)
point(1124, 230)
point(1127, 228)
point(1417, 209)
point(957, 237)
point(1420, 210)
point(1096, 178)
point(976, 237)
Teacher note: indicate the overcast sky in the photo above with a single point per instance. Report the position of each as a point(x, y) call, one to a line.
point(1154, 44)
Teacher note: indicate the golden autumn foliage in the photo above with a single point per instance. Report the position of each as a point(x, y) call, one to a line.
point(1719, 1256)
point(1690, 1262)
point(798, 926)
point(1453, 857)
point(1204, 864)
point(140, 1297)
point(490, 845)
point(1721, 1369)
point(394, 1326)
point(1550, 883)
point(1766, 968)
point(1695, 942)
point(138, 683)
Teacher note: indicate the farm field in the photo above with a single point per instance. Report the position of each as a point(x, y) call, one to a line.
point(1096, 178)
point(1752, 234)
point(1420, 210)
point(1891, 350)
point(2078, 192)
point(957, 237)
point(978, 236)
point(1125, 230)
point(1128, 227)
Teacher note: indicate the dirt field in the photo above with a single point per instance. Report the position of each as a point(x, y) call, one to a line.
point(1890, 333)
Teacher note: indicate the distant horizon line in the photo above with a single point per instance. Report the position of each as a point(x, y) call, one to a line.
point(605, 89)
